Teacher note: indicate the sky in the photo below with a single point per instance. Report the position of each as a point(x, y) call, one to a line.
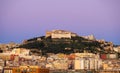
point(25, 19)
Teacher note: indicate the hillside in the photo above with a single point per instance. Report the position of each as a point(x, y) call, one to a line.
point(63, 45)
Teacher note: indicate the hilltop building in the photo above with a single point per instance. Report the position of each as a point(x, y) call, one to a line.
point(60, 34)
point(90, 37)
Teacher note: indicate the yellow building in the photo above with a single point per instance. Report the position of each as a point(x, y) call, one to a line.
point(5, 56)
point(105, 66)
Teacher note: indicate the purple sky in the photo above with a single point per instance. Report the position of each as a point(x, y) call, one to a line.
point(24, 19)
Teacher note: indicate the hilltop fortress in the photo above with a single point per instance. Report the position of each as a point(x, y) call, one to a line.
point(60, 34)
point(66, 34)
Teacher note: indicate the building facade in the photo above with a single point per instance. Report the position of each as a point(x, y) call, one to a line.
point(60, 34)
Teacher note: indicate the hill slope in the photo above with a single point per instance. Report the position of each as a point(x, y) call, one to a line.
point(64, 45)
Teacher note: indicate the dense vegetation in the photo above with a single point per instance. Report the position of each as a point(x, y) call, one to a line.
point(64, 45)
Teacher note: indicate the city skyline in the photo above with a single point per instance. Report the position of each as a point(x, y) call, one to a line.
point(20, 20)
